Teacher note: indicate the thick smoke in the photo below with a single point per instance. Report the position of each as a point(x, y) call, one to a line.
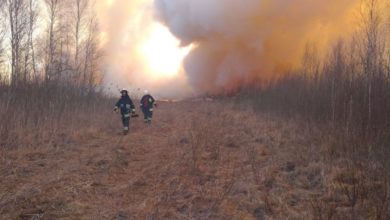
point(125, 24)
point(115, 18)
point(237, 42)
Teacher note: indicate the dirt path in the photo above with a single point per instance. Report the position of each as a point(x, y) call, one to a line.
point(198, 160)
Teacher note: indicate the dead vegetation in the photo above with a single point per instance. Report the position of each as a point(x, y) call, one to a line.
point(343, 99)
point(312, 145)
point(48, 114)
point(199, 160)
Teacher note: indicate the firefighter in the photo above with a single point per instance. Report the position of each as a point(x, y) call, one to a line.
point(147, 104)
point(127, 109)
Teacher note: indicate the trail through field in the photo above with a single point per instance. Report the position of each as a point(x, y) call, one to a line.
point(198, 160)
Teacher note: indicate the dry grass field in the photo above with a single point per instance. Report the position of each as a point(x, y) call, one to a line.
point(198, 160)
point(285, 110)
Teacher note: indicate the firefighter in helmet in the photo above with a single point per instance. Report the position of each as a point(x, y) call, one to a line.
point(127, 109)
point(147, 104)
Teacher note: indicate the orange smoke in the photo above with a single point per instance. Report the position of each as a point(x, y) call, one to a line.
point(239, 41)
point(233, 42)
point(140, 52)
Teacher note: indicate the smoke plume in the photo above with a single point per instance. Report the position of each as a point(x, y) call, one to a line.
point(233, 42)
point(125, 24)
point(236, 42)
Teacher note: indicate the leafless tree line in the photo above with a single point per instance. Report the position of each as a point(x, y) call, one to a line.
point(2, 34)
point(50, 40)
point(350, 86)
point(49, 57)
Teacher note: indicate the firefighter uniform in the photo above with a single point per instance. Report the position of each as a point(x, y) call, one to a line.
point(126, 106)
point(147, 104)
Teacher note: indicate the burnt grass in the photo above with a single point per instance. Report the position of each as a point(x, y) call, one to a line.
point(198, 160)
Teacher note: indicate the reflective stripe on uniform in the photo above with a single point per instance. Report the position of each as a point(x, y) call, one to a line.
point(126, 115)
point(126, 128)
point(151, 109)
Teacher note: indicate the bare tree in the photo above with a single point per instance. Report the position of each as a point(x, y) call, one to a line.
point(80, 10)
point(63, 44)
point(70, 49)
point(335, 69)
point(371, 49)
point(2, 37)
point(29, 50)
point(92, 53)
point(351, 86)
point(64, 53)
point(53, 11)
point(2, 26)
point(33, 15)
point(18, 23)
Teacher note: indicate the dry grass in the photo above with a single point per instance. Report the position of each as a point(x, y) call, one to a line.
point(49, 114)
point(199, 160)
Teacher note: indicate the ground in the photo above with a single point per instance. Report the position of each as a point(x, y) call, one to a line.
point(200, 159)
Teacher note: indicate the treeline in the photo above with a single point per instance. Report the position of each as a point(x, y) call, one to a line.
point(49, 71)
point(49, 40)
point(343, 96)
point(348, 88)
